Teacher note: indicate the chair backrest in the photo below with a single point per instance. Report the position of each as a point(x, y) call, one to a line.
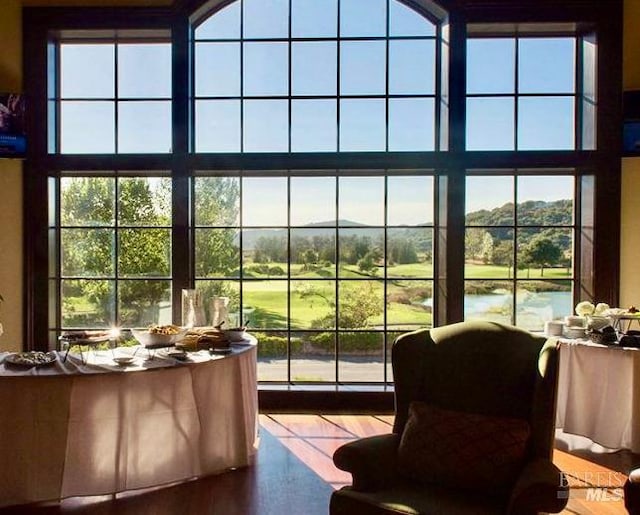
point(480, 367)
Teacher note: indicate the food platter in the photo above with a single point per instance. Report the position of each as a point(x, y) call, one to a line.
point(31, 359)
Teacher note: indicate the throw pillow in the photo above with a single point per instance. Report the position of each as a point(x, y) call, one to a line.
point(463, 450)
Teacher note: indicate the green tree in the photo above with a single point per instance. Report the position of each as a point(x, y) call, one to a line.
point(542, 252)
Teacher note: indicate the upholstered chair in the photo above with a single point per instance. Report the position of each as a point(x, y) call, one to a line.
point(473, 430)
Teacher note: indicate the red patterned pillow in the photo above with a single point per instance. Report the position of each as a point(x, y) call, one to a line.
point(464, 450)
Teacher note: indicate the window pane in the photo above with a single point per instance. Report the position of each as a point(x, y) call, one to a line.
point(266, 69)
point(363, 17)
point(409, 252)
point(87, 304)
point(266, 126)
point(361, 253)
point(87, 252)
point(314, 68)
point(272, 356)
point(144, 70)
point(410, 200)
point(313, 253)
point(409, 305)
point(489, 300)
point(490, 123)
point(360, 304)
point(144, 201)
point(142, 303)
point(217, 126)
point(362, 68)
point(362, 125)
point(491, 65)
point(411, 67)
point(545, 200)
point(313, 304)
point(144, 127)
point(87, 71)
point(217, 201)
point(144, 252)
point(546, 65)
point(411, 124)
point(217, 253)
point(223, 24)
point(313, 201)
point(546, 123)
point(264, 202)
point(87, 201)
point(361, 357)
point(545, 254)
point(266, 19)
point(314, 18)
point(229, 289)
point(488, 253)
point(265, 304)
point(361, 201)
point(313, 357)
point(265, 253)
point(314, 126)
point(217, 67)
point(87, 127)
point(404, 21)
point(489, 200)
point(540, 301)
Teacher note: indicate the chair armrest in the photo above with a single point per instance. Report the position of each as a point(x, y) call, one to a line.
point(372, 461)
point(541, 487)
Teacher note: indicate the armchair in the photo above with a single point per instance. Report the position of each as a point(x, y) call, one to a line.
point(477, 369)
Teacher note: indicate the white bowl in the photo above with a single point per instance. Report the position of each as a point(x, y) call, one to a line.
point(234, 335)
point(123, 360)
point(156, 339)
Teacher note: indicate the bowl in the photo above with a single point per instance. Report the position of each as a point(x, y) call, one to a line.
point(154, 339)
point(236, 334)
point(123, 360)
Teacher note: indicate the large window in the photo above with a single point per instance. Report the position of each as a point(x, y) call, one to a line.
point(342, 170)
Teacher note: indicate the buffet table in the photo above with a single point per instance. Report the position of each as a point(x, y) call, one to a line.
point(599, 393)
point(70, 429)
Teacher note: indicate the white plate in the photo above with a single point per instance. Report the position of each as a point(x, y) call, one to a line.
point(31, 359)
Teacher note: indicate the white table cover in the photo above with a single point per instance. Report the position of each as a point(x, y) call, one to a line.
point(72, 429)
point(599, 394)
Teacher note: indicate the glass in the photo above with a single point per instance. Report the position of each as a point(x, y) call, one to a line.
point(313, 304)
point(360, 18)
point(410, 200)
point(87, 303)
point(144, 70)
point(264, 201)
point(489, 300)
point(314, 67)
point(313, 201)
point(404, 21)
point(410, 252)
point(360, 304)
point(491, 65)
point(217, 126)
point(411, 124)
point(265, 19)
point(193, 314)
point(362, 125)
point(488, 253)
point(361, 201)
point(272, 356)
point(217, 253)
point(142, 303)
point(361, 253)
point(223, 24)
point(144, 201)
point(144, 127)
point(545, 200)
point(217, 201)
point(265, 304)
point(363, 68)
point(87, 70)
point(228, 289)
point(87, 201)
point(314, 126)
point(546, 123)
point(144, 252)
point(361, 357)
point(217, 69)
point(265, 69)
point(264, 253)
point(314, 18)
point(87, 127)
point(219, 312)
point(87, 252)
point(546, 65)
point(266, 126)
point(412, 67)
point(493, 194)
point(313, 357)
point(490, 123)
point(409, 305)
point(313, 253)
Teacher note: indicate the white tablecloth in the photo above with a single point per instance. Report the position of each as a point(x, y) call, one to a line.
point(599, 394)
point(72, 429)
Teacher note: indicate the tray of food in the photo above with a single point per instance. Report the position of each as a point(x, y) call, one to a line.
point(31, 359)
point(159, 336)
point(85, 337)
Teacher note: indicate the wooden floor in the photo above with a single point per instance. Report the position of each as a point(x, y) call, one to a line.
point(294, 474)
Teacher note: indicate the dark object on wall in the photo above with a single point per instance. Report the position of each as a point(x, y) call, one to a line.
point(13, 140)
point(631, 129)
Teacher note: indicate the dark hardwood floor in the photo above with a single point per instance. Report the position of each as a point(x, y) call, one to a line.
point(294, 475)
